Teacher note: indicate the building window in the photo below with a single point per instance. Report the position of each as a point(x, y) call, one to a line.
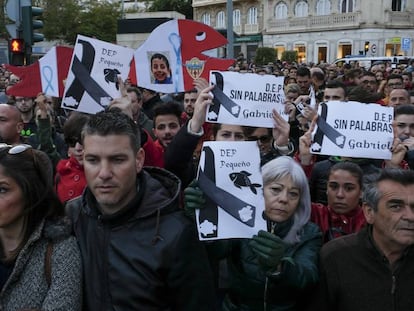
point(236, 18)
point(398, 5)
point(205, 19)
point(301, 9)
point(323, 7)
point(347, 6)
point(281, 10)
point(221, 20)
point(252, 16)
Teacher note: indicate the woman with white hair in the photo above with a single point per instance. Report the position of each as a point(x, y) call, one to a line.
point(275, 269)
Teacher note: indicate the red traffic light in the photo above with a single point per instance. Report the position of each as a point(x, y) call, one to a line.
point(17, 45)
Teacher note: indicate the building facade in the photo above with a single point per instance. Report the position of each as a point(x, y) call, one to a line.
point(319, 30)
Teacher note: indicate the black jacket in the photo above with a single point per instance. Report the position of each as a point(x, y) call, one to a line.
point(145, 257)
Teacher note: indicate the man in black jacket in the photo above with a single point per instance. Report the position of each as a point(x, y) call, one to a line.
point(373, 269)
point(139, 251)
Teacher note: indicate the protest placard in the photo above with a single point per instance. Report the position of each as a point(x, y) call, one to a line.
point(229, 175)
point(353, 129)
point(245, 99)
point(92, 80)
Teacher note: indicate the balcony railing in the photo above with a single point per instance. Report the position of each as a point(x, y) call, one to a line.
point(399, 19)
point(314, 23)
point(251, 29)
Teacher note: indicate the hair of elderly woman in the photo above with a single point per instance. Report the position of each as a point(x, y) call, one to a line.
point(29, 170)
point(286, 166)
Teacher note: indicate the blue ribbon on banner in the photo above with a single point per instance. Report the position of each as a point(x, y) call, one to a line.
point(47, 73)
point(175, 41)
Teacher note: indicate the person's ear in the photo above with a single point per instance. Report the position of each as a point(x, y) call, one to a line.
point(140, 159)
point(369, 213)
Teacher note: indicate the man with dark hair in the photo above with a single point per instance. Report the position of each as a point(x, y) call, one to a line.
point(404, 127)
point(190, 98)
point(139, 251)
point(167, 118)
point(373, 269)
point(335, 90)
point(304, 80)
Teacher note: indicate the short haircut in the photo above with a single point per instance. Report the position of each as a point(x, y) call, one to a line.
point(74, 124)
point(404, 109)
point(303, 72)
point(409, 74)
point(292, 88)
point(136, 90)
point(193, 90)
point(350, 167)
point(334, 84)
point(372, 194)
point(287, 166)
point(162, 57)
point(170, 107)
point(113, 122)
point(394, 76)
point(369, 74)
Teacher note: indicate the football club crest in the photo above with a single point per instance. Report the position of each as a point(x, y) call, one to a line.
point(195, 67)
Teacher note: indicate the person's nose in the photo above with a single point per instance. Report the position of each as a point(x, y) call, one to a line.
point(105, 171)
point(340, 193)
point(283, 196)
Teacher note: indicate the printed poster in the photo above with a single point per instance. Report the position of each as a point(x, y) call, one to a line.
point(229, 175)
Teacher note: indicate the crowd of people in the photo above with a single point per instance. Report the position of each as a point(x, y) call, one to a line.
point(97, 211)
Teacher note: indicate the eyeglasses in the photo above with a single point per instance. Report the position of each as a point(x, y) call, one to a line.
point(263, 139)
point(15, 149)
point(72, 141)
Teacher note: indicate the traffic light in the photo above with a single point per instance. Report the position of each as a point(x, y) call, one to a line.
point(17, 50)
point(366, 47)
point(16, 46)
point(30, 22)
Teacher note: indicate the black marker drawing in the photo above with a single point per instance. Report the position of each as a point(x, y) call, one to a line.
point(242, 179)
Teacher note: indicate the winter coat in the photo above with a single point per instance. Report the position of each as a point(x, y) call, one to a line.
point(146, 256)
point(70, 179)
point(27, 287)
point(249, 284)
point(355, 275)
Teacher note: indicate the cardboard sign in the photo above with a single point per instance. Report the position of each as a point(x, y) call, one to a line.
point(229, 175)
point(354, 129)
point(93, 75)
point(246, 99)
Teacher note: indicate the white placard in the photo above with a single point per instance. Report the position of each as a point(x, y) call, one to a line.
point(92, 78)
point(234, 178)
point(354, 129)
point(246, 99)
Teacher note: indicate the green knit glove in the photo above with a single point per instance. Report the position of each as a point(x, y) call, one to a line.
point(193, 199)
point(269, 248)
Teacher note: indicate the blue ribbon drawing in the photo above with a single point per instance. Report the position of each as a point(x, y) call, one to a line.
point(47, 73)
point(175, 41)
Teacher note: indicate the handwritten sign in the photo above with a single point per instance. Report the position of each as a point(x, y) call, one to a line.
point(93, 75)
point(354, 129)
point(229, 175)
point(246, 99)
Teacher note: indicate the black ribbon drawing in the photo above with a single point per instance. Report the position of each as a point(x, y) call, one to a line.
point(83, 81)
point(221, 100)
point(325, 129)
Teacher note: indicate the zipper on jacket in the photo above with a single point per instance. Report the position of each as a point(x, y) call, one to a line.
point(393, 288)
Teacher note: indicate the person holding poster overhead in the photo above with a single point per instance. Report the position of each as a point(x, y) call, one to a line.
point(275, 269)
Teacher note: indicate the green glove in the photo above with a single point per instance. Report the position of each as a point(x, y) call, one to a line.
point(269, 248)
point(193, 199)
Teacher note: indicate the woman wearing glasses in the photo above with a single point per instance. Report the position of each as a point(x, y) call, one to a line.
point(40, 265)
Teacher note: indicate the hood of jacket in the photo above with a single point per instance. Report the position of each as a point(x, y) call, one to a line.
point(158, 191)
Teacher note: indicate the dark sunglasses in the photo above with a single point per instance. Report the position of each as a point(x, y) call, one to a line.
point(263, 139)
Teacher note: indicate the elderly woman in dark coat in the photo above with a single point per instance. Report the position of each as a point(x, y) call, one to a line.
point(275, 269)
